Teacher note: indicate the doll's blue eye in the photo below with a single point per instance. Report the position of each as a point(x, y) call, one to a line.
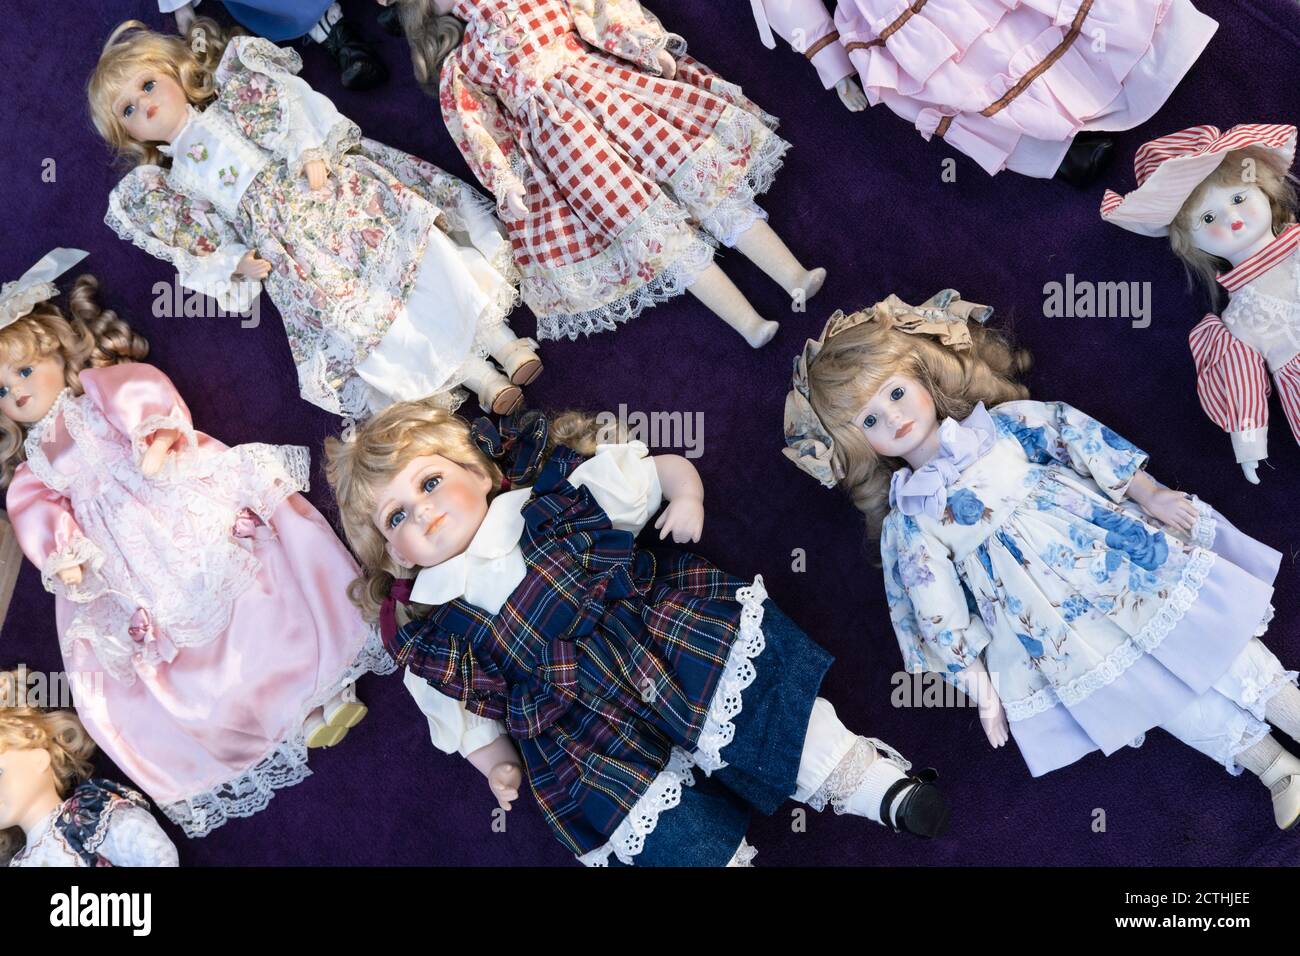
point(25, 371)
point(395, 519)
point(148, 87)
point(433, 481)
point(1238, 199)
point(4, 391)
point(896, 394)
point(127, 111)
point(868, 421)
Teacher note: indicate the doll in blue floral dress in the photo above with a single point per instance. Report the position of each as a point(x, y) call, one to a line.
point(653, 700)
point(1030, 559)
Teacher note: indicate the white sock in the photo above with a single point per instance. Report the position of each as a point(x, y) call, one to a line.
point(322, 28)
point(1283, 710)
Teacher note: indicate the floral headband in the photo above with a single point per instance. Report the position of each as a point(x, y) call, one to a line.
point(36, 285)
point(807, 441)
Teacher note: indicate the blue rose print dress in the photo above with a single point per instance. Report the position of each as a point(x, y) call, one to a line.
point(1016, 543)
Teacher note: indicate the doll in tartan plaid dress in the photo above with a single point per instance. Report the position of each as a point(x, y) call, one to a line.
point(654, 700)
point(619, 163)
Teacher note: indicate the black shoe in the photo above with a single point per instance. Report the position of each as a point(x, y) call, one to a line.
point(1086, 159)
point(390, 21)
point(358, 63)
point(923, 811)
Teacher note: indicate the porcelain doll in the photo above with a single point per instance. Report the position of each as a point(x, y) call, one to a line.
point(391, 276)
point(1030, 559)
point(1025, 85)
point(51, 812)
point(172, 558)
point(317, 21)
point(1226, 202)
point(654, 699)
point(618, 162)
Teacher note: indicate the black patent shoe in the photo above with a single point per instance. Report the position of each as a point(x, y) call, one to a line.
point(359, 66)
point(390, 21)
point(923, 811)
point(1086, 159)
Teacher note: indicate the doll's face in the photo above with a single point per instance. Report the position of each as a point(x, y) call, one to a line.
point(429, 512)
point(899, 419)
point(24, 776)
point(1231, 220)
point(28, 389)
point(151, 107)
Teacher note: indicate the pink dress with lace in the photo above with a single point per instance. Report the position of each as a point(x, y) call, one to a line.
point(211, 617)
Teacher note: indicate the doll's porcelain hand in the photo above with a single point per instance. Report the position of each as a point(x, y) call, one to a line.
point(71, 576)
point(993, 718)
point(251, 267)
point(1251, 470)
point(667, 65)
point(1174, 508)
point(163, 439)
point(514, 200)
point(505, 779)
point(683, 518)
point(317, 173)
point(851, 94)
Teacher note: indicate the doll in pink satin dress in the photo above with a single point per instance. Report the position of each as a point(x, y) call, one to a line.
point(201, 602)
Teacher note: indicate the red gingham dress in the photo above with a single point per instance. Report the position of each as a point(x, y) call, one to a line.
point(631, 179)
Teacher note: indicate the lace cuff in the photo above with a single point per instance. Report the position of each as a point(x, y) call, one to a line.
point(144, 431)
point(848, 776)
point(80, 551)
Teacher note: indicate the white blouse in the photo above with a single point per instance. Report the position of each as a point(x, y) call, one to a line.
point(132, 838)
point(625, 483)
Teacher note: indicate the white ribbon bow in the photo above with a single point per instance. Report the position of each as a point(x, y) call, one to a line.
point(36, 285)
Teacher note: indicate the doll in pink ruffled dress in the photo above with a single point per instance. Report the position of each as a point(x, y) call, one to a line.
point(201, 602)
point(1025, 85)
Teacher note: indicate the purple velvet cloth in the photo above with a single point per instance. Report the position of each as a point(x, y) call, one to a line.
point(863, 195)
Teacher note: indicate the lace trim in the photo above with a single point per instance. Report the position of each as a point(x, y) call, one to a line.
point(1206, 527)
point(342, 137)
point(1264, 321)
point(36, 431)
point(1113, 666)
point(79, 551)
point(744, 855)
point(142, 432)
point(850, 773)
point(1245, 732)
point(661, 227)
point(738, 673)
point(252, 790)
point(664, 793)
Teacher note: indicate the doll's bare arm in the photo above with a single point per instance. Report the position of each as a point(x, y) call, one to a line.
point(499, 762)
point(682, 487)
point(976, 684)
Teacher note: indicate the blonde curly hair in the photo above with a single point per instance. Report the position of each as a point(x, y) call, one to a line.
point(382, 446)
point(1252, 166)
point(93, 337)
point(132, 47)
point(853, 365)
point(58, 732)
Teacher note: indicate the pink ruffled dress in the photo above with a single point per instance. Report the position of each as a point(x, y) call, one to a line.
point(212, 614)
point(1007, 82)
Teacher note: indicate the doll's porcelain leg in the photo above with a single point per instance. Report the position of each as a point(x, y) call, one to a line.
point(344, 710)
point(763, 247)
point(865, 777)
point(720, 294)
point(494, 391)
point(518, 357)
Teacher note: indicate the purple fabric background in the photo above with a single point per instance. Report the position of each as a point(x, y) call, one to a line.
point(861, 194)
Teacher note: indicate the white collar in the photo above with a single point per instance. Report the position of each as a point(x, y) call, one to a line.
point(167, 149)
point(496, 537)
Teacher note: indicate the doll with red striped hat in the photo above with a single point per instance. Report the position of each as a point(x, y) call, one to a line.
point(1227, 203)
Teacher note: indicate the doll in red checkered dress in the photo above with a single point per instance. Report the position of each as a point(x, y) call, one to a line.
point(618, 162)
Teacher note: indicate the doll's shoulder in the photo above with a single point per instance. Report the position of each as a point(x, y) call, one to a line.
point(245, 54)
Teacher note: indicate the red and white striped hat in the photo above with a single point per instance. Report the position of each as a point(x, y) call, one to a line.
point(1170, 168)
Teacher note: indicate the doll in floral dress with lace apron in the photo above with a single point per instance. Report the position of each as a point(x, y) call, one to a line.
point(200, 600)
point(392, 277)
point(654, 700)
point(1029, 558)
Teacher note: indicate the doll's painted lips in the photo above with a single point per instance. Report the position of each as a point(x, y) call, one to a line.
point(1238, 225)
point(148, 114)
point(23, 401)
point(435, 524)
point(902, 432)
